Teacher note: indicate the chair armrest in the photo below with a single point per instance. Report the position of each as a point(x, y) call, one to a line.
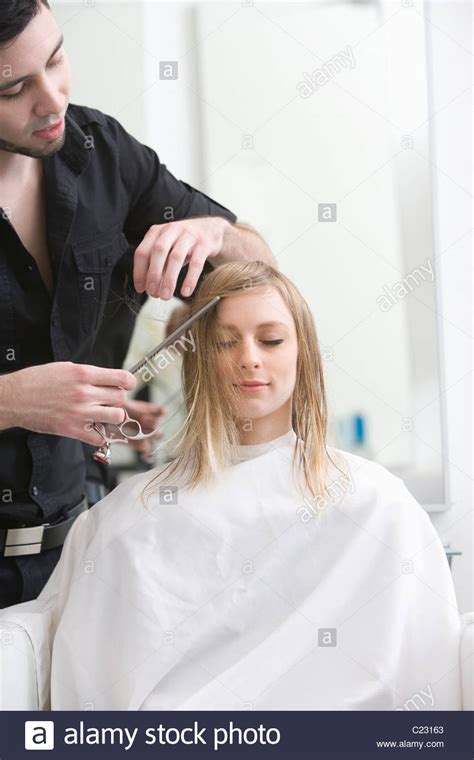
point(18, 678)
point(26, 635)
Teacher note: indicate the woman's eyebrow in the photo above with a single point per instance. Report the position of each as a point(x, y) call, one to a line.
point(271, 323)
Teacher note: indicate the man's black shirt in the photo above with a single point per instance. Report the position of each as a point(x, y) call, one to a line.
point(103, 191)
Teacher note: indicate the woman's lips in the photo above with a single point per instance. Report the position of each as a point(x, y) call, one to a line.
point(253, 387)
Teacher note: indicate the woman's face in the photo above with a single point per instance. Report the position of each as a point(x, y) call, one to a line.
point(258, 343)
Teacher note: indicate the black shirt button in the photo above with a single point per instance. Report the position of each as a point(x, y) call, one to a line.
point(30, 267)
point(34, 491)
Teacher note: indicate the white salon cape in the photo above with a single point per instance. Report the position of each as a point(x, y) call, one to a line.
point(246, 596)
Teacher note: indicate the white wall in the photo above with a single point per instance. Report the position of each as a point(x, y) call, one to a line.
point(449, 34)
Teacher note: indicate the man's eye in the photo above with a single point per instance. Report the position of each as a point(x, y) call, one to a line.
point(25, 84)
point(56, 63)
point(15, 94)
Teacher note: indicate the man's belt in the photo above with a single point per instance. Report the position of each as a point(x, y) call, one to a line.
point(19, 541)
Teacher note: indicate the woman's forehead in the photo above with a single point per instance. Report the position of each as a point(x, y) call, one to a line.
point(262, 308)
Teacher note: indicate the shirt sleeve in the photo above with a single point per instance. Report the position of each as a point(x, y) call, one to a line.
point(155, 195)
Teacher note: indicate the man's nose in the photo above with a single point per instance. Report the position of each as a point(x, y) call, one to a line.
point(50, 99)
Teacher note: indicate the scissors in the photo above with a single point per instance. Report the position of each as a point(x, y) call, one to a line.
point(129, 428)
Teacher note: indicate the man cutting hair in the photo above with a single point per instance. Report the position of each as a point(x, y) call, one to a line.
point(84, 209)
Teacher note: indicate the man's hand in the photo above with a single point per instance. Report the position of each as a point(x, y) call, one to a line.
point(148, 415)
point(62, 398)
point(166, 248)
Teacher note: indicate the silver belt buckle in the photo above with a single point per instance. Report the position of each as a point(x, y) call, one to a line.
point(23, 541)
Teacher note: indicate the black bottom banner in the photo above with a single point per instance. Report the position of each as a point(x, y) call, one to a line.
point(271, 734)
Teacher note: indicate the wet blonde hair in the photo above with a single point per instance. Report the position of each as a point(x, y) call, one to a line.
point(208, 444)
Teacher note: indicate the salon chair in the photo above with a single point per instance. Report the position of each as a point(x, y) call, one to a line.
point(19, 688)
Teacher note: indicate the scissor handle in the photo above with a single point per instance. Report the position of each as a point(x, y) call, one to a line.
point(104, 454)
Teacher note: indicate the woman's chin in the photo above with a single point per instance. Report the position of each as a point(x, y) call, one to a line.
point(252, 410)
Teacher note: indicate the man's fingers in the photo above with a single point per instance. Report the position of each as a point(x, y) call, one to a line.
point(175, 261)
point(155, 408)
point(89, 435)
point(162, 252)
point(118, 378)
point(107, 414)
point(205, 237)
point(142, 257)
point(196, 265)
point(151, 255)
point(108, 396)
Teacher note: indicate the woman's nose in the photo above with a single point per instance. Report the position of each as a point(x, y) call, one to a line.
point(249, 356)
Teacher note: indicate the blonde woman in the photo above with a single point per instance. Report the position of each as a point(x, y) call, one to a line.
point(260, 569)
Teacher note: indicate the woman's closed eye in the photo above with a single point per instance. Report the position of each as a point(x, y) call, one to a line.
point(230, 343)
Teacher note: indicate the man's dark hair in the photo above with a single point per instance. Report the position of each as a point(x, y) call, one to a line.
point(15, 15)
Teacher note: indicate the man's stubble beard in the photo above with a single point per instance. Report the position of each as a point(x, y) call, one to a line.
point(48, 150)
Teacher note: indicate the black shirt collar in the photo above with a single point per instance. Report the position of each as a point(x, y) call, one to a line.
point(74, 151)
